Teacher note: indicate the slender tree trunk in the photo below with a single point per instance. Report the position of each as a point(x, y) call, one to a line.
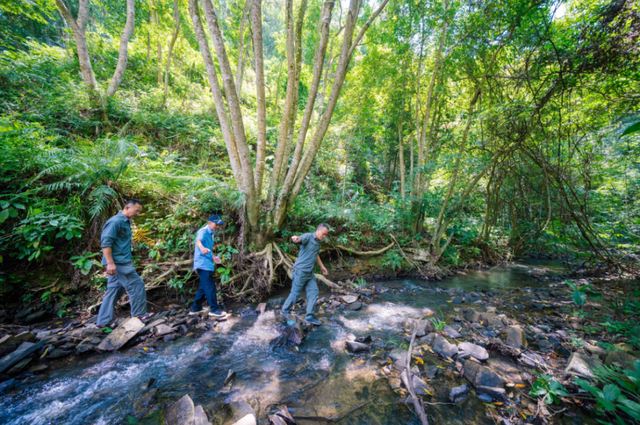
point(123, 55)
point(240, 71)
point(156, 19)
point(277, 98)
point(79, 28)
point(174, 37)
point(256, 22)
point(401, 158)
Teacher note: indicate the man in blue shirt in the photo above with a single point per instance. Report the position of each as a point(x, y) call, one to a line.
point(203, 264)
point(115, 242)
point(303, 277)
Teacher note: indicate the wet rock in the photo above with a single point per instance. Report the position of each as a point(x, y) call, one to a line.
point(162, 330)
point(276, 302)
point(355, 306)
point(364, 340)
point(91, 333)
point(23, 350)
point(349, 299)
point(468, 349)
point(497, 394)
point(9, 343)
point(621, 359)
point(181, 412)
point(56, 353)
point(243, 414)
point(451, 332)
point(169, 338)
point(121, 335)
point(200, 416)
point(231, 375)
point(151, 325)
point(399, 357)
point(481, 376)
point(582, 365)
point(7, 385)
point(290, 335)
point(457, 300)
point(15, 370)
point(459, 393)
point(249, 313)
point(356, 347)
point(38, 368)
point(149, 398)
point(596, 350)
point(88, 344)
point(516, 337)
point(443, 347)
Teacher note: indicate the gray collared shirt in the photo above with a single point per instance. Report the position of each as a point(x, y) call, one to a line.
point(309, 249)
point(116, 233)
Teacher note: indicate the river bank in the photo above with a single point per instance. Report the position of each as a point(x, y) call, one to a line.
point(322, 377)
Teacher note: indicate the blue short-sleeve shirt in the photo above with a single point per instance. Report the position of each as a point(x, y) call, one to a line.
point(116, 234)
point(200, 261)
point(309, 249)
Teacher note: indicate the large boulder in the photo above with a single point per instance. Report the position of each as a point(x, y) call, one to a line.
point(243, 414)
point(516, 337)
point(200, 416)
point(9, 343)
point(123, 333)
point(468, 349)
point(621, 359)
point(481, 376)
point(444, 347)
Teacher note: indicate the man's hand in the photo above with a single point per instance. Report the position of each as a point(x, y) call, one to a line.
point(324, 270)
point(296, 239)
point(205, 251)
point(111, 269)
point(217, 260)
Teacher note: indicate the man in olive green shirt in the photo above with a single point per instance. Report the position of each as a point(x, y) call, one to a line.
point(303, 277)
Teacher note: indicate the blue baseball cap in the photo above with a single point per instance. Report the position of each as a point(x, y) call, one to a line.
point(216, 219)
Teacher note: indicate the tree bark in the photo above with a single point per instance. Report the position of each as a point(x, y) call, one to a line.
point(261, 148)
point(240, 71)
point(174, 37)
point(156, 19)
point(123, 55)
point(79, 29)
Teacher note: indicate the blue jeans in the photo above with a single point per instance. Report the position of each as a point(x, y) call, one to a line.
point(207, 289)
point(306, 281)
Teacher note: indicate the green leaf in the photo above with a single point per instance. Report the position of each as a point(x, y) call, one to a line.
point(633, 128)
point(610, 392)
point(4, 214)
point(579, 297)
point(595, 295)
point(4, 204)
point(606, 404)
point(107, 330)
point(19, 206)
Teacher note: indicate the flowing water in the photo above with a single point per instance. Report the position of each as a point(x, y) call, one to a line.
point(319, 380)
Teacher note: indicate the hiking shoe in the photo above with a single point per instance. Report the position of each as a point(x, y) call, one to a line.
point(145, 317)
point(313, 321)
point(199, 312)
point(218, 315)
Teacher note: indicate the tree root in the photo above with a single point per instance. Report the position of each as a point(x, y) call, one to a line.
point(365, 253)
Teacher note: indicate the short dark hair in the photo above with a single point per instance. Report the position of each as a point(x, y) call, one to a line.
point(325, 225)
point(133, 202)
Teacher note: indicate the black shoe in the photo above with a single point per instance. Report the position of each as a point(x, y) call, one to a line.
point(313, 321)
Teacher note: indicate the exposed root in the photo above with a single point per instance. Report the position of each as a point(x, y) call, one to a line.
point(365, 253)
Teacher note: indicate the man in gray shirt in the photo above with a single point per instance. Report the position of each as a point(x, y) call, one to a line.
point(303, 277)
point(115, 242)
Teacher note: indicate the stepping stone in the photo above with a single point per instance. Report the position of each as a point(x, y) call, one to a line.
point(9, 343)
point(356, 347)
point(349, 299)
point(451, 332)
point(481, 376)
point(498, 394)
point(123, 333)
point(516, 337)
point(20, 353)
point(181, 412)
point(459, 393)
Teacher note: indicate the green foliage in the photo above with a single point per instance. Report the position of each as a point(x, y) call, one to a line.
point(393, 259)
point(85, 262)
point(548, 388)
point(619, 396)
point(225, 274)
point(581, 293)
point(438, 324)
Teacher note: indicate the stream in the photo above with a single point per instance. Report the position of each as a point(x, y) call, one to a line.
point(102, 389)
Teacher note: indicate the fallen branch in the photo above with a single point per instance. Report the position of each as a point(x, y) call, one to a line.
point(408, 378)
point(327, 282)
point(365, 253)
point(424, 275)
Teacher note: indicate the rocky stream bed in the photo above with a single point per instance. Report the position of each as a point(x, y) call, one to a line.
point(496, 329)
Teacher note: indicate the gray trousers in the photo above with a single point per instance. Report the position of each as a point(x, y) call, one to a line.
point(125, 279)
point(306, 281)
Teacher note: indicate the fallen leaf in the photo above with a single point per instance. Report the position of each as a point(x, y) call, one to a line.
point(520, 385)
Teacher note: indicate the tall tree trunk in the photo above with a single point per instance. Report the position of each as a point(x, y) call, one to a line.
point(401, 158)
point(277, 98)
point(174, 37)
point(261, 101)
point(156, 19)
point(240, 71)
point(79, 28)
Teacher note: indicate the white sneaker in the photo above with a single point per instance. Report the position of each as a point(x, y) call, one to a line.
point(218, 315)
point(198, 313)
